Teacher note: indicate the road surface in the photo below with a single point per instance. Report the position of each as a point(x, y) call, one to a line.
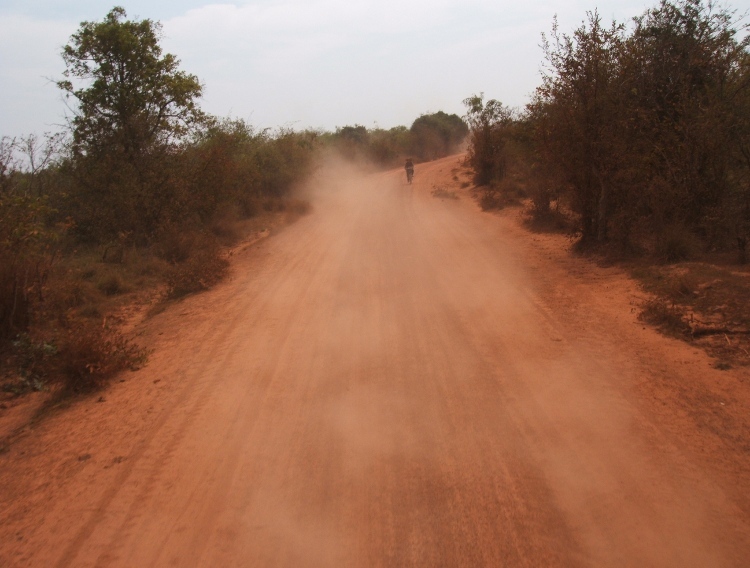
point(395, 380)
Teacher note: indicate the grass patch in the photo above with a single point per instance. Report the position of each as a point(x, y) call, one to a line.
point(202, 270)
point(112, 284)
point(443, 193)
point(706, 304)
point(551, 219)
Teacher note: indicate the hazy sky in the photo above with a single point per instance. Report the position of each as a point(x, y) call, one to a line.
point(307, 63)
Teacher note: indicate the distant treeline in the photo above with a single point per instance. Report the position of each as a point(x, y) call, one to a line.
point(431, 136)
point(640, 132)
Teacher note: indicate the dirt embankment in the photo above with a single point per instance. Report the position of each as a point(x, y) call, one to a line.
point(396, 379)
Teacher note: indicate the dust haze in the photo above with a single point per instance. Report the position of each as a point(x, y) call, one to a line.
point(393, 380)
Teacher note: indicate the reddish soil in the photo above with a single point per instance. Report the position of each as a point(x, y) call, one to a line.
point(396, 379)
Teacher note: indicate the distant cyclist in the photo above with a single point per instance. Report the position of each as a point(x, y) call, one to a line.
point(409, 167)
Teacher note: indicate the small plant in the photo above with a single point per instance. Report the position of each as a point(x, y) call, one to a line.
point(200, 272)
point(665, 316)
point(442, 193)
point(112, 285)
point(677, 244)
point(490, 199)
point(32, 360)
point(91, 354)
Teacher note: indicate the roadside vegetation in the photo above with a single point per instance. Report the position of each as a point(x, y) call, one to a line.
point(637, 143)
point(136, 202)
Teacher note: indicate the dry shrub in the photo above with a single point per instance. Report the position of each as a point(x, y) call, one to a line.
point(90, 354)
point(442, 193)
point(298, 206)
point(15, 303)
point(250, 207)
point(31, 359)
point(490, 199)
point(546, 219)
point(175, 245)
point(272, 204)
point(665, 316)
point(225, 224)
point(676, 244)
point(111, 284)
point(202, 270)
point(65, 292)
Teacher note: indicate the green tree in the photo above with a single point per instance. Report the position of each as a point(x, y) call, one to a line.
point(489, 124)
point(437, 134)
point(132, 104)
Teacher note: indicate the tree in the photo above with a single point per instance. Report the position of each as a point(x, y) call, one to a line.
point(133, 104)
point(24, 239)
point(437, 134)
point(488, 123)
point(688, 86)
point(578, 103)
point(137, 97)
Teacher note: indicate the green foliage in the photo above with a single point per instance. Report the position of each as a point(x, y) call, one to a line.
point(431, 136)
point(490, 124)
point(134, 97)
point(436, 135)
point(229, 164)
point(133, 104)
point(144, 183)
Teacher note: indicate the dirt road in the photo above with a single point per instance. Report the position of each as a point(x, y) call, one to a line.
point(395, 380)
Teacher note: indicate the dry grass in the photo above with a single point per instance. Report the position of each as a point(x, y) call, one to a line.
point(443, 193)
point(91, 353)
point(706, 304)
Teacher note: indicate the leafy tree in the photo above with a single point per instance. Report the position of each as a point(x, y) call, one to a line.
point(580, 90)
point(437, 134)
point(489, 123)
point(133, 104)
point(687, 81)
point(135, 97)
point(648, 132)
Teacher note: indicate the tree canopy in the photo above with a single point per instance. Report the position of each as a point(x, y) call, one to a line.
point(128, 93)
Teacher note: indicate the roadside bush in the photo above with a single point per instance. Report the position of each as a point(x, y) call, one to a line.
point(665, 316)
point(298, 206)
point(431, 136)
point(490, 199)
point(32, 359)
point(111, 285)
point(90, 354)
point(25, 259)
point(490, 125)
point(203, 268)
point(676, 244)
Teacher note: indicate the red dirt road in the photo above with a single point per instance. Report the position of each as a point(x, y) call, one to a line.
point(395, 380)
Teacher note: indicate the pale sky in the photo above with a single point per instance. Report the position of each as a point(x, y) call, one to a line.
point(307, 63)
